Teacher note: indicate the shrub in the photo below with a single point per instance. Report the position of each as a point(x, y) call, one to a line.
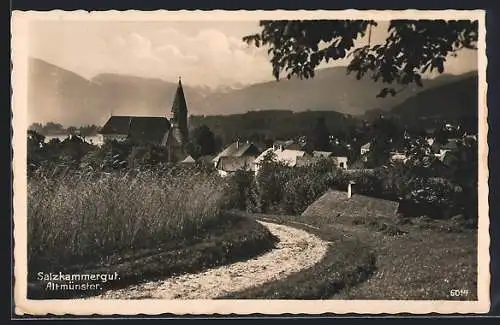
point(238, 193)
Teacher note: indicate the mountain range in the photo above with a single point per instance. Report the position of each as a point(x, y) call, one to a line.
point(56, 94)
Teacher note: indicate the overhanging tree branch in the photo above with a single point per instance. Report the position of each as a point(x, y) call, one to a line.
point(412, 47)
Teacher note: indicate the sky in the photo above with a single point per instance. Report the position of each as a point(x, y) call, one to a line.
point(204, 53)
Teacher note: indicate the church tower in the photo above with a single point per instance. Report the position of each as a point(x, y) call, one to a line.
point(177, 136)
point(179, 116)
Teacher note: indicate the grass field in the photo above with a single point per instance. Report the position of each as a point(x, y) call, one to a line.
point(380, 258)
point(141, 226)
point(347, 262)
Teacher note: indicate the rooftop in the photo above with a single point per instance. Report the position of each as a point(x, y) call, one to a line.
point(141, 128)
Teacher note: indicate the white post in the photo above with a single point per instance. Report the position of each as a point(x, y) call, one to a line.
point(349, 190)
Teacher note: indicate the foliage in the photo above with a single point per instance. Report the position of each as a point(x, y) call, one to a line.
point(412, 47)
point(239, 193)
point(69, 152)
point(203, 141)
point(321, 136)
point(278, 188)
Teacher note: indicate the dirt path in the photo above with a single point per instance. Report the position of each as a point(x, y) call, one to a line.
point(296, 251)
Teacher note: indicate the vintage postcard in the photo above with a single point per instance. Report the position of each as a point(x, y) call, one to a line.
point(217, 162)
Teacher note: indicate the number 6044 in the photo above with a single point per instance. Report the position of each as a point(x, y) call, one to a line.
point(459, 292)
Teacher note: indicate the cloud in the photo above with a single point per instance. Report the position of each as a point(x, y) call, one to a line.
point(207, 58)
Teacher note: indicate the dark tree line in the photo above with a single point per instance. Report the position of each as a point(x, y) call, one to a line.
point(57, 128)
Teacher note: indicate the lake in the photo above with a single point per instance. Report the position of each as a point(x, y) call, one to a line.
point(93, 139)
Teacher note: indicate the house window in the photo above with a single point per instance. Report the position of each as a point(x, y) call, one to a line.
point(342, 165)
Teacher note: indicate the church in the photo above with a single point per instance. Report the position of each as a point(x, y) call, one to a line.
point(171, 134)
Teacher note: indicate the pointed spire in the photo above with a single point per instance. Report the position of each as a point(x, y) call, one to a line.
point(179, 111)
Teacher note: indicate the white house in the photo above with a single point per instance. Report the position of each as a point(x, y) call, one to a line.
point(238, 155)
point(398, 156)
point(112, 137)
point(365, 148)
point(340, 161)
point(286, 156)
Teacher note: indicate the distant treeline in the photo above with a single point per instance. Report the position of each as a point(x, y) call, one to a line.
point(269, 125)
point(52, 128)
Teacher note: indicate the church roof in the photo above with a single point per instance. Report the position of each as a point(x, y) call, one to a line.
point(138, 128)
point(179, 105)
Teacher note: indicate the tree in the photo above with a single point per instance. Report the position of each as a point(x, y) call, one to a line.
point(412, 47)
point(204, 140)
point(37, 127)
point(51, 127)
point(320, 136)
point(71, 130)
point(386, 135)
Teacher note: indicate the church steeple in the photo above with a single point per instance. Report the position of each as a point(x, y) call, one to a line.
point(179, 113)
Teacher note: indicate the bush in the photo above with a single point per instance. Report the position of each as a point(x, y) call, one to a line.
point(238, 193)
point(282, 189)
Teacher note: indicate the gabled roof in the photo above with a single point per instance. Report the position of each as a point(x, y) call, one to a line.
point(188, 160)
point(323, 154)
point(286, 156)
point(238, 149)
point(366, 145)
point(288, 144)
point(116, 125)
point(138, 128)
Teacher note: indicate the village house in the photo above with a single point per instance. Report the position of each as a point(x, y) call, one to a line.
point(289, 144)
point(430, 139)
point(236, 156)
point(340, 161)
point(365, 148)
point(396, 156)
point(157, 130)
point(443, 150)
point(188, 160)
point(288, 157)
point(451, 145)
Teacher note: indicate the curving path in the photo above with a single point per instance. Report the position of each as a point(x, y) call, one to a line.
point(296, 251)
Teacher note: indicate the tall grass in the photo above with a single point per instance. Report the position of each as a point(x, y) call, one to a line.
point(80, 218)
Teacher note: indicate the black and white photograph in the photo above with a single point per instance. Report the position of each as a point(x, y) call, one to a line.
point(250, 162)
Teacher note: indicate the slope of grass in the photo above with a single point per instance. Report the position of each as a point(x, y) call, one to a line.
point(141, 226)
point(336, 203)
point(348, 262)
point(380, 258)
